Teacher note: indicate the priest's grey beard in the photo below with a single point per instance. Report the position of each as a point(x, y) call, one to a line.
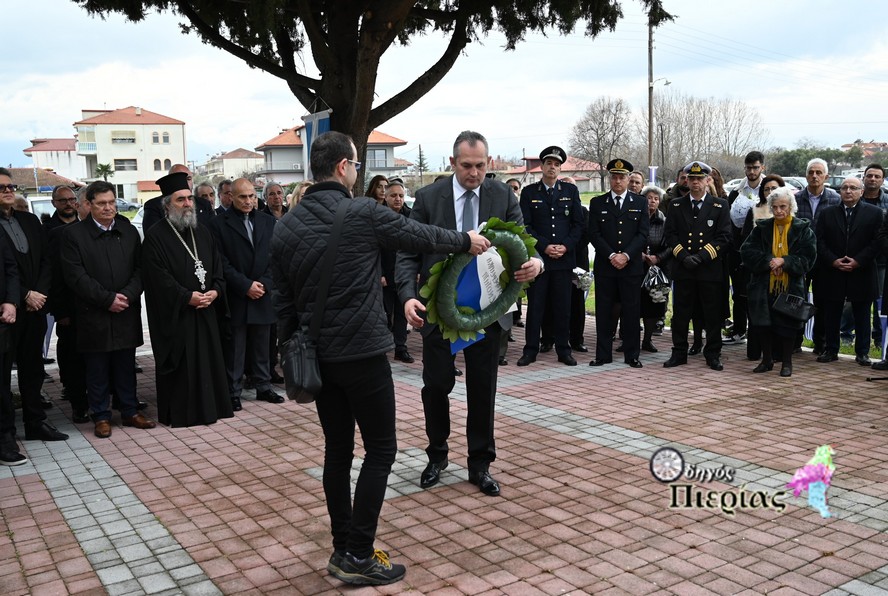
point(183, 219)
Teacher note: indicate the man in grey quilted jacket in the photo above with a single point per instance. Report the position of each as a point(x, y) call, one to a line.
point(353, 341)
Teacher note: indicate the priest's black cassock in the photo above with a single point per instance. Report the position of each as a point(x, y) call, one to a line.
point(192, 388)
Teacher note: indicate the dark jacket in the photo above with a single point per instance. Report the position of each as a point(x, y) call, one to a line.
point(828, 198)
point(554, 219)
point(35, 272)
point(757, 253)
point(153, 212)
point(60, 302)
point(98, 265)
point(656, 240)
point(354, 324)
point(835, 240)
point(709, 236)
point(618, 231)
point(245, 262)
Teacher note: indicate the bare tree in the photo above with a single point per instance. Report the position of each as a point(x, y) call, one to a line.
point(602, 133)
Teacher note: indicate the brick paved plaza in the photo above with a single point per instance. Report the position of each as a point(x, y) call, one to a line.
point(238, 508)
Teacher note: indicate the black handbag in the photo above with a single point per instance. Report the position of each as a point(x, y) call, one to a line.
point(794, 307)
point(299, 354)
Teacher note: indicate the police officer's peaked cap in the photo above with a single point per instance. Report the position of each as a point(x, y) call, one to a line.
point(553, 151)
point(697, 169)
point(619, 166)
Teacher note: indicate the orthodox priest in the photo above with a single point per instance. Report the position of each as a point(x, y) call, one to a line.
point(182, 275)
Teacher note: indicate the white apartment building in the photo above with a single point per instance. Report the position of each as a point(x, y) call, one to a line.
point(58, 155)
point(140, 146)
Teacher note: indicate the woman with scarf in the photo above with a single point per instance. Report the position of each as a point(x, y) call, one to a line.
point(778, 253)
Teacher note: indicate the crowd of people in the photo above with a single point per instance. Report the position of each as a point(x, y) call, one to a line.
point(227, 279)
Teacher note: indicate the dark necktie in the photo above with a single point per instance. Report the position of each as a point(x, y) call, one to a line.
point(619, 202)
point(468, 214)
point(696, 207)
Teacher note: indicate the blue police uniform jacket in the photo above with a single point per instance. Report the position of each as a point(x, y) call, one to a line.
point(554, 217)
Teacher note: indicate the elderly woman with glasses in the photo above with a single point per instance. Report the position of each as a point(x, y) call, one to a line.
point(778, 253)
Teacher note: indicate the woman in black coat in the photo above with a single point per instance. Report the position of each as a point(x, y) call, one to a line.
point(778, 253)
point(656, 253)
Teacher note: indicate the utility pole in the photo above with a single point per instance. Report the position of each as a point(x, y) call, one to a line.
point(650, 92)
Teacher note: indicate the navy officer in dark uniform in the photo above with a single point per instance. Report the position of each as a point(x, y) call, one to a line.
point(698, 231)
point(553, 215)
point(618, 229)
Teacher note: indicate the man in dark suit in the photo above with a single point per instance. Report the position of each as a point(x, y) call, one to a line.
point(154, 211)
point(459, 202)
point(698, 231)
point(846, 252)
point(618, 229)
point(812, 200)
point(224, 197)
point(29, 244)
point(244, 237)
point(554, 216)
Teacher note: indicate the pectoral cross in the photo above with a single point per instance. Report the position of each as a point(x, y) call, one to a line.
point(200, 273)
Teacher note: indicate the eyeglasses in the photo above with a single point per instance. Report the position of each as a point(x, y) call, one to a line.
point(8, 187)
point(357, 164)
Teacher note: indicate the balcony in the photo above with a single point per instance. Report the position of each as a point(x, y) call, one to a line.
point(379, 164)
point(86, 148)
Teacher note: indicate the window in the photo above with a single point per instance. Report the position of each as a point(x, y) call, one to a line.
point(123, 136)
point(155, 138)
point(120, 191)
point(167, 164)
point(157, 166)
point(125, 165)
point(376, 159)
point(166, 138)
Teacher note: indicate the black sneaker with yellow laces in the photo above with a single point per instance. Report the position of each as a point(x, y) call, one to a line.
point(375, 570)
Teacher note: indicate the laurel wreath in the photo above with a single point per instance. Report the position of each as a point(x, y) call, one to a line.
point(513, 244)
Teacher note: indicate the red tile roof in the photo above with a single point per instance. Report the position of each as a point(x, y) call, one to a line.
point(573, 164)
point(147, 186)
point(51, 145)
point(402, 163)
point(24, 178)
point(241, 153)
point(290, 138)
point(129, 115)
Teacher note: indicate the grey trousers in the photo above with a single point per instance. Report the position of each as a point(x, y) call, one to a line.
point(258, 336)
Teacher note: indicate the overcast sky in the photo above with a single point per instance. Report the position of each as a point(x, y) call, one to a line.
point(816, 69)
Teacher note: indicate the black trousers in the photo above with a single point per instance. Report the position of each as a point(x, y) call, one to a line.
point(832, 316)
point(256, 337)
point(72, 368)
point(108, 372)
point(27, 351)
point(739, 280)
point(551, 287)
point(684, 295)
point(622, 290)
point(438, 381)
point(397, 322)
point(7, 414)
point(577, 319)
point(357, 392)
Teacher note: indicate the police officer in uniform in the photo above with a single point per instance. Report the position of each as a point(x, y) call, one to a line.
point(553, 215)
point(618, 229)
point(698, 231)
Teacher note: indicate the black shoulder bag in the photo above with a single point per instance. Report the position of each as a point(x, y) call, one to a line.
point(299, 354)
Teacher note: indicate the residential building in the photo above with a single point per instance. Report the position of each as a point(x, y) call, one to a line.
point(58, 155)
point(585, 173)
point(285, 161)
point(139, 145)
point(234, 164)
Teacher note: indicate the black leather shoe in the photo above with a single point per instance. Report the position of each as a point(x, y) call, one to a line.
point(786, 370)
point(485, 482)
point(818, 350)
point(45, 402)
point(619, 348)
point(276, 378)
point(269, 396)
point(48, 360)
point(568, 360)
point(236, 404)
point(882, 365)
point(80, 416)
point(404, 356)
point(503, 362)
point(649, 347)
point(635, 363)
point(675, 360)
point(432, 473)
point(511, 337)
point(11, 457)
point(546, 348)
point(579, 348)
point(597, 362)
point(519, 323)
point(863, 360)
point(827, 356)
point(715, 363)
point(457, 372)
point(764, 367)
point(141, 405)
point(526, 359)
point(138, 369)
point(45, 432)
point(695, 349)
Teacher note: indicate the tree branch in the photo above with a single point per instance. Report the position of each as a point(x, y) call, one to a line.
point(426, 81)
point(317, 39)
point(213, 36)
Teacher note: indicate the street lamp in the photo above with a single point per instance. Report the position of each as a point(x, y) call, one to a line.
point(651, 82)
